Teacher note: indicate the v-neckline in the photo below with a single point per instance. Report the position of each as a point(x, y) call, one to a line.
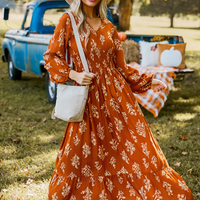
point(95, 30)
point(102, 21)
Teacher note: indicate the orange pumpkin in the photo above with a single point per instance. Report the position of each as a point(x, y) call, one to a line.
point(122, 36)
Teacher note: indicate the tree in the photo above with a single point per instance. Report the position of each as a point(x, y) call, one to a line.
point(169, 7)
point(125, 10)
point(21, 1)
point(196, 7)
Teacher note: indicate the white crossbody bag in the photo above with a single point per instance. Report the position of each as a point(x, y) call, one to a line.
point(71, 100)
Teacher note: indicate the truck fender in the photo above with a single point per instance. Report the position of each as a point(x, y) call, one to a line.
point(8, 48)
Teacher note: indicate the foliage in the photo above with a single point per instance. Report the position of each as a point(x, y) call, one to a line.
point(21, 1)
point(196, 7)
point(169, 7)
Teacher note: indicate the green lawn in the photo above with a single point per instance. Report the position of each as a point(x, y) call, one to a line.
point(29, 139)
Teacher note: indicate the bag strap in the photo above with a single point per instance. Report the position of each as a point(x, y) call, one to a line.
point(78, 42)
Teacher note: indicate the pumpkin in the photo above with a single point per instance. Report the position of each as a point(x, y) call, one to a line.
point(171, 58)
point(122, 36)
point(152, 56)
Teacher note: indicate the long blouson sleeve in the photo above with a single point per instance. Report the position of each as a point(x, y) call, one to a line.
point(55, 55)
point(138, 83)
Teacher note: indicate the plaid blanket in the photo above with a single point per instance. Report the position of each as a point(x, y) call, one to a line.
point(151, 100)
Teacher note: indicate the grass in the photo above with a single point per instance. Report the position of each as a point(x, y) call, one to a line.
point(29, 139)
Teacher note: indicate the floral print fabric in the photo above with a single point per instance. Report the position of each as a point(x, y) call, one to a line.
point(112, 153)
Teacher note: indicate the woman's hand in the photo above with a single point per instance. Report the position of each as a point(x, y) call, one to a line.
point(158, 85)
point(82, 78)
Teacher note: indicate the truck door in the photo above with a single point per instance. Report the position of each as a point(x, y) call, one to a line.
point(20, 48)
point(40, 34)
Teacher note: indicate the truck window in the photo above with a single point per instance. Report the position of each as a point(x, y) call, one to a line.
point(52, 16)
point(27, 23)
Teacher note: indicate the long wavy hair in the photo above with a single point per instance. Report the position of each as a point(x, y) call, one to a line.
point(76, 7)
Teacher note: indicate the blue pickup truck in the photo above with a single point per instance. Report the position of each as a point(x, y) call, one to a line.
point(24, 48)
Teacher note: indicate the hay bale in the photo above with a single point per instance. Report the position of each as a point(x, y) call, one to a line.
point(131, 51)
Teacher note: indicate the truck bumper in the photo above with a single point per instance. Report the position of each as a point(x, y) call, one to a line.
point(3, 58)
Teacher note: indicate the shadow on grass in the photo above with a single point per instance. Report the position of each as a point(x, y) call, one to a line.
point(19, 176)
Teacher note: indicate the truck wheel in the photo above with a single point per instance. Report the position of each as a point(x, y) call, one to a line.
point(51, 89)
point(13, 73)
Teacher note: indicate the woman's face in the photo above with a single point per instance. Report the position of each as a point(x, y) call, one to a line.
point(90, 3)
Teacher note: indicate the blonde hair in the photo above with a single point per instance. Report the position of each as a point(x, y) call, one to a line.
point(76, 7)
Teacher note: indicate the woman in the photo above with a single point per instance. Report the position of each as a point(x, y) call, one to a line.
point(112, 153)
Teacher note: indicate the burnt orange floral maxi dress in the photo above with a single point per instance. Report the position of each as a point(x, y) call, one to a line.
point(112, 153)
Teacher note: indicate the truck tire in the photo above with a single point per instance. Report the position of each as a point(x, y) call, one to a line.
point(14, 74)
point(51, 89)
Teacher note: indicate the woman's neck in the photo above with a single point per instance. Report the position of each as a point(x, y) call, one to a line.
point(89, 11)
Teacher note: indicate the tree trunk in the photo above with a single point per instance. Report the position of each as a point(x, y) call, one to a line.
point(124, 10)
point(171, 20)
point(112, 4)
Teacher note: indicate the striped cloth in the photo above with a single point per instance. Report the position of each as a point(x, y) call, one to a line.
point(151, 100)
